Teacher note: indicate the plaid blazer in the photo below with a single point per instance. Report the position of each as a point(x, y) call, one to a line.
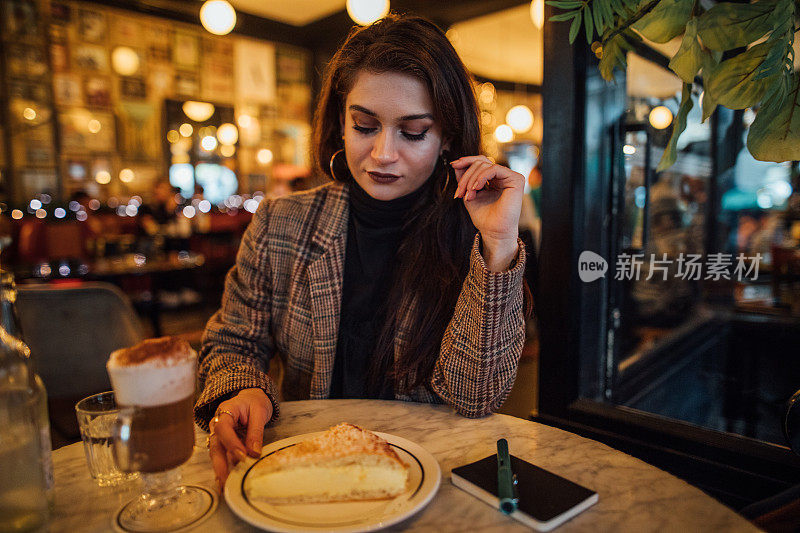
point(283, 298)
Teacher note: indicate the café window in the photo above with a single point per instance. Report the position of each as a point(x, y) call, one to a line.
point(703, 318)
point(201, 140)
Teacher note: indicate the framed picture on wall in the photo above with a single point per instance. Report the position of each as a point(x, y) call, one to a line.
point(127, 31)
point(132, 88)
point(76, 135)
point(25, 61)
point(187, 84)
point(60, 13)
point(217, 73)
point(25, 90)
point(138, 128)
point(159, 44)
point(255, 71)
point(291, 64)
point(19, 19)
point(91, 26)
point(91, 57)
point(186, 50)
point(97, 90)
point(67, 90)
point(160, 81)
point(35, 147)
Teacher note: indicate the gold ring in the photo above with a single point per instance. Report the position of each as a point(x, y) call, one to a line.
point(225, 412)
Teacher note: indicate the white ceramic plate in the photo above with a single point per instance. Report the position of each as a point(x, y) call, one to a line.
point(423, 482)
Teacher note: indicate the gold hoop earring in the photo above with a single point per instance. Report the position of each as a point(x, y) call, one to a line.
point(447, 169)
point(333, 158)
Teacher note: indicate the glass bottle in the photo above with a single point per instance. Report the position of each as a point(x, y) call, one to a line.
point(26, 481)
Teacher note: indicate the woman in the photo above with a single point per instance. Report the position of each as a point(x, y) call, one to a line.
point(376, 285)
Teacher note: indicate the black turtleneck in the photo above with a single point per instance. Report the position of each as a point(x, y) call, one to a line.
point(374, 233)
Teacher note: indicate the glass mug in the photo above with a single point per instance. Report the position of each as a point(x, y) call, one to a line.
point(153, 436)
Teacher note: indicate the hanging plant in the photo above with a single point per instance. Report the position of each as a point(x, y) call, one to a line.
point(762, 75)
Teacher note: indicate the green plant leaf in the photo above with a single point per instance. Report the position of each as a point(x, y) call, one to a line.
point(732, 83)
point(608, 13)
point(666, 21)
point(726, 25)
point(709, 104)
point(564, 16)
point(575, 27)
point(589, 26)
point(564, 4)
point(689, 57)
point(613, 56)
point(597, 14)
point(671, 151)
point(775, 133)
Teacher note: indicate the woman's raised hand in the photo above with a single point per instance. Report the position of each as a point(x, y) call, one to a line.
point(493, 197)
point(246, 413)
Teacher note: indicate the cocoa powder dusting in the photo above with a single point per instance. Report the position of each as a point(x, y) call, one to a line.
point(164, 348)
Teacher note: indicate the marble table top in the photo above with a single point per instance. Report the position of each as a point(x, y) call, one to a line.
point(634, 496)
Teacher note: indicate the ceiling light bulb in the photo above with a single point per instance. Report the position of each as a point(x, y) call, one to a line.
point(126, 175)
point(504, 133)
point(366, 12)
point(520, 118)
point(227, 134)
point(208, 143)
point(264, 156)
point(125, 61)
point(218, 17)
point(660, 117)
point(198, 111)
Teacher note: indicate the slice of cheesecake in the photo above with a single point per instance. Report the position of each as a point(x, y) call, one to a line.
point(345, 463)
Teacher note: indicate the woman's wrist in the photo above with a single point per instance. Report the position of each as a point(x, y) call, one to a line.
point(259, 393)
point(499, 253)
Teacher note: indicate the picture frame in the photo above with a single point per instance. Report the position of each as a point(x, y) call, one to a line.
point(91, 26)
point(19, 20)
point(60, 13)
point(97, 91)
point(255, 71)
point(186, 50)
point(132, 88)
point(76, 136)
point(25, 61)
point(67, 90)
point(187, 84)
point(158, 41)
point(90, 57)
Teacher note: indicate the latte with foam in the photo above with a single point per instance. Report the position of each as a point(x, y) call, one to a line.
point(157, 379)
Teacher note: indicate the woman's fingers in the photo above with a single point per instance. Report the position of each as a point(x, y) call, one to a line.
point(255, 429)
point(466, 178)
point(228, 439)
point(218, 460)
point(463, 162)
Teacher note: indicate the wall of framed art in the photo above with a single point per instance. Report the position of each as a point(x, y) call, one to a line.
point(99, 79)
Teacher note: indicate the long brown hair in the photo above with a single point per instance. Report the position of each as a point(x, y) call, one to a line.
point(433, 258)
